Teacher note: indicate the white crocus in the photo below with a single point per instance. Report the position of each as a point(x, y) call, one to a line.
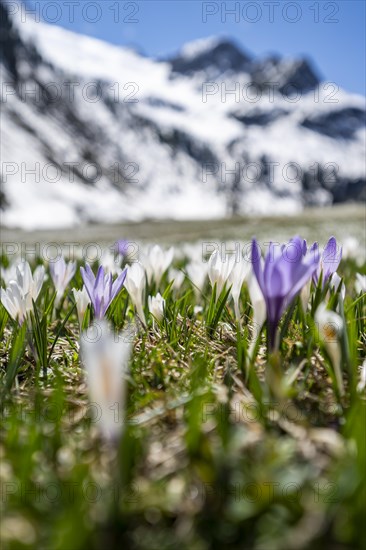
point(257, 301)
point(14, 302)
point(9, 273)
point(305, 295)
point(82, 301)
point(61, 275)
point(156, 261)
point(219, 269)
point(177, 277)
point(111, 262)
point(351, 248)
point(157, 306)
point(135, 283)
point(105, 357)
point(330, 326)
point(259, 308)
point(360, 283)
point(197, 274)
point(237, 277)
point(334, 283)
point(30, 284)
point(19, 295)
point(362, 383)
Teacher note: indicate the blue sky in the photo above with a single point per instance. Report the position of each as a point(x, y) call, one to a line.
point(330, 33)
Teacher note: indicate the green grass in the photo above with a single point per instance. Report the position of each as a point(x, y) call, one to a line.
point(217, 452)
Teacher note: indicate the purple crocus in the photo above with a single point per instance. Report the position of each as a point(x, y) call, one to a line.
point(101, 289)
point(329, 260)
point(286, 270)
point(122, 247)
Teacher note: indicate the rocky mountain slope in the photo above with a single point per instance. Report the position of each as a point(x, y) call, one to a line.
point(94, 132)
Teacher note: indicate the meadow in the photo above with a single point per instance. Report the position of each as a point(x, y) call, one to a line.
point(160, 397)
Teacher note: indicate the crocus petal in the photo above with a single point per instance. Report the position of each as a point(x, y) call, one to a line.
point(88, 278)
point(331, 258)
point(257, 266)
point(302, 274)
point(118, 283)
point(273, 257)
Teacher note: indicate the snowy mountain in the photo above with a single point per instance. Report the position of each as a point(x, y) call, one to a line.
point(94, 132)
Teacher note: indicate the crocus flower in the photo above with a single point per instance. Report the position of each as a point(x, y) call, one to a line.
point(121, 246)
point(329, 260)
point(305, 291)
point(197, 273)
point(61, 274)
point(135, 284)
point(334, 283)
point(82, 301)
point(157, 306)
point(352, 249)
point(360, 283)
point(259, 308)
point(219, 269)
point(177, 277)
point(156, 261)
point(305, 295)
point(101, 289)
point(239, 273)
point(9, 273)
point(105, 357)
point(19, 296)
point(14, 302)
point(330, 326)
point(362, 382)
point(286, 270)
point(257, 302)
point(111, 262)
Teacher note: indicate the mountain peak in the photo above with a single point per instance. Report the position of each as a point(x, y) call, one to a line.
point(202, 46)
point(220, 54)
point(297, 73)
